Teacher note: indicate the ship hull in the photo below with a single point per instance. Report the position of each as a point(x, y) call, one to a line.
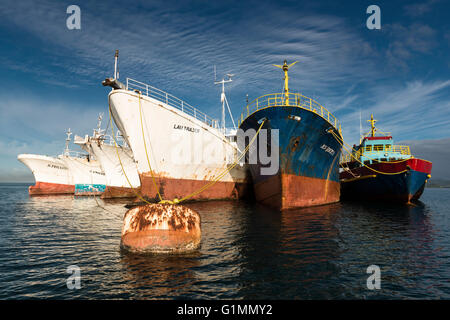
point(88, 176)
point(183, 153)
point(52, 176)
point(308, 173)
point(404, 187)
point(112, 192)
point(171, 188)
point(122, 178)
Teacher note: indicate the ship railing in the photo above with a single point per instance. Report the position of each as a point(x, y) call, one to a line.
point(109, 140)
point(75, 154)
point(387, 148)
point(346, 158)
point(170, 100)
point(293, 99)
point(388, 151)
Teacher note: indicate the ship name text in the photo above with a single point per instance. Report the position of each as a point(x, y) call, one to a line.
point(328, 149)
point(181, 127)
point(56, 167)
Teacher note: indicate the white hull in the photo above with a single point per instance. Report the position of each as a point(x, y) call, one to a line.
point(167, 153)
point(47, 169)
point(177, 146)
point(84, 171)
point(117, 175)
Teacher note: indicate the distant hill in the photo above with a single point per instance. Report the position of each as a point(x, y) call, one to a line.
point(438, 183)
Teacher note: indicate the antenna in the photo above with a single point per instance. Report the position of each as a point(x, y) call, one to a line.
point(360, 127)
point(224, 100)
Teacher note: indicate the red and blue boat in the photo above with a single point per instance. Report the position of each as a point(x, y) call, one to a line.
point(308, 151)
point(377, 169)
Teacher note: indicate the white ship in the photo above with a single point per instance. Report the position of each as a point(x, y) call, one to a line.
point(117, 162)
point(51, 174)
point(68, 173)
point(87, 174)
point(176, 147)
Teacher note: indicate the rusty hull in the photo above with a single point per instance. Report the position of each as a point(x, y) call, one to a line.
point(47, 188)
point(287, 191)
point(159, 228)
point(119, 192)
point(171, 188)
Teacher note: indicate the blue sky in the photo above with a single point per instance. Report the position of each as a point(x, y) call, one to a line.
point(51, 76)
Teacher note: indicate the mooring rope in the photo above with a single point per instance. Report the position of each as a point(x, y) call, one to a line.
point(174, 201)
point(342, 143)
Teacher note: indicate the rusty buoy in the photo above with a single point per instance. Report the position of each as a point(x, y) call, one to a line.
point(159, 228)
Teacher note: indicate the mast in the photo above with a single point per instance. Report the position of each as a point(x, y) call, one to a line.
point(372, 125)
point(66, 150)
point(98, 132)
point(285, 67)
point(116, 58)
point(224, 100)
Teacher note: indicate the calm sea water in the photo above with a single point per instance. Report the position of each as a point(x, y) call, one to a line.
point(247, 252)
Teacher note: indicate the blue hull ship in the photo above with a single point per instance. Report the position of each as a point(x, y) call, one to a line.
point(308, 152)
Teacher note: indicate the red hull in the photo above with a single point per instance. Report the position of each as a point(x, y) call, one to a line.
point(405, 183)
point(171, 188)
point(119, 192)
point(419, 165)
point(47, 188)
point(287, 191)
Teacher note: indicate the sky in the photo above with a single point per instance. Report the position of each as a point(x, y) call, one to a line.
point(51, 76)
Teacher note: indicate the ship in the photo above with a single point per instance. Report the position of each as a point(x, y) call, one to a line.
point(68, 173)
point(116, 160)
point(379, 170)
point(308, 151)
point(180, 151)
point(51, 175)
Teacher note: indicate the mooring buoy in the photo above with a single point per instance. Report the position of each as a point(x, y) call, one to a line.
point(158, 228)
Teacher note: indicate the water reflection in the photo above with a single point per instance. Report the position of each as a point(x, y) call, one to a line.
point(160, 276)
point(286, 255)
point(247, 251)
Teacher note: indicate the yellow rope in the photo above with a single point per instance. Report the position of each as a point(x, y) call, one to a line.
point(211, 183)
point(386, 173)
point(175, 201)
point(341, 141)
point(146, 153)
point(118, 156)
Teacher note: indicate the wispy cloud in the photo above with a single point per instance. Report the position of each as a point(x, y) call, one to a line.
point(408, 41)
point(419, 9)
point(409, 111)
point(175, 46)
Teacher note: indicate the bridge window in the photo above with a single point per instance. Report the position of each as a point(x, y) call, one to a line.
point(368, 148)
point(378, 147)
